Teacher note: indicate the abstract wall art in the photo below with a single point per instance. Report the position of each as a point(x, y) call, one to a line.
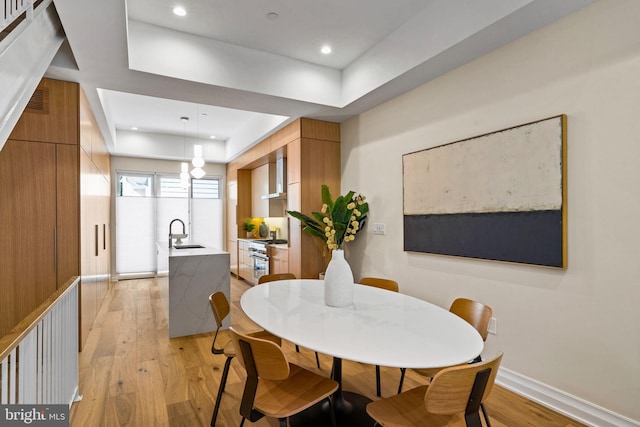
point(499, 196)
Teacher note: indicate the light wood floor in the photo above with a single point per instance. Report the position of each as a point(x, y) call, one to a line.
point(132, 374)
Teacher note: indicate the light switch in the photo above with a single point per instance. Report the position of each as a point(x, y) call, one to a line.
point(378, 228)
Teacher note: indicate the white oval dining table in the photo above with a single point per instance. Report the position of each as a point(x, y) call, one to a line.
point(380, 328)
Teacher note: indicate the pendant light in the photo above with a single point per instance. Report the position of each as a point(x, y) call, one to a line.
point(198, 161)
point(185, 180)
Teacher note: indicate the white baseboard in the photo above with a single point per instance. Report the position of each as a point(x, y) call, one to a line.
point(573, 407)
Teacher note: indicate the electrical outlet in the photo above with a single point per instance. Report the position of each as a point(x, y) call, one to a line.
point(378, 228)
point(493, 326)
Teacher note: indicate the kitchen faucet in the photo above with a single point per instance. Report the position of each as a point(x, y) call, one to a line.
point(176, 236)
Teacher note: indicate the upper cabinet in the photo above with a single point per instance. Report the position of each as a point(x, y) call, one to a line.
point(91, 140)
point(51, 114)
point(264, 187)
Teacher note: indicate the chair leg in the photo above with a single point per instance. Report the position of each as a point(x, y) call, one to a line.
point(317, 360)
point(223, 383)
point(283, 422)
point(484, 413)
point(242, 422)
point(297, 349)
point(402, 372)
point(378, 381)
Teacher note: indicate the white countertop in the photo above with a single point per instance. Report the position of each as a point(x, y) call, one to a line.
point(380, 328)
point(173, 252)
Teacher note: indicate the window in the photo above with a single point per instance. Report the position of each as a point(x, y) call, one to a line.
point(169, 186)
point(135, 185)
point(206, 188)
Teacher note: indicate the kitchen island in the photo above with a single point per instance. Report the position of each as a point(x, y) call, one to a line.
point(186, 278)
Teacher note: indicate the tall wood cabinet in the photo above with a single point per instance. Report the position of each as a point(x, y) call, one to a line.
point(39, 202)
point(95, 192)
point(54, 205)
point(238, 203)
point(313, 159)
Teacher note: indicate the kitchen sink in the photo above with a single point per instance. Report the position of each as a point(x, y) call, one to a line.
point(188, 246)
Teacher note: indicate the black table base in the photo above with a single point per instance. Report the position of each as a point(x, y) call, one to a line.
point(350, 412)
point(350, 408)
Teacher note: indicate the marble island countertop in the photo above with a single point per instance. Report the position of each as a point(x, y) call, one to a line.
point(205, 250)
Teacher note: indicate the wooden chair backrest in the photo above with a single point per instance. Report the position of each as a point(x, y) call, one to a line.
point(388, 284)
point(266, 356)
point(475, 313)
point(219, 306)
point(276, 276)
point(450, 388)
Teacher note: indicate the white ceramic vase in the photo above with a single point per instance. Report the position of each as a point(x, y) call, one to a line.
point(338, 281)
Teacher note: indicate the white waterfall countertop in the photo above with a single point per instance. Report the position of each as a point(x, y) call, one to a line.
point(193, 275)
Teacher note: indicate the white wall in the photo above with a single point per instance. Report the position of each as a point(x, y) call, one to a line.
point(577, 330)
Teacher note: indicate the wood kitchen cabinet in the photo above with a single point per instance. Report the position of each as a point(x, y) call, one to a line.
point(278, 259)
point(259, 187)
point(245, 269)
point(39, 202)
point(313, 160)
point(232, 229)
point(55, 205)
point(312, 150)
point(95, 196)
point(51, 114)
point(28, 229)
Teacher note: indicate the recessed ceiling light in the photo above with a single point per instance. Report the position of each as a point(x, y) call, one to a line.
point(212, 137)
point(180, 11)
point(326, 49)
point(134, 128)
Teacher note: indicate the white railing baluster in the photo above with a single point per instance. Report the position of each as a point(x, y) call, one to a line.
point(12, 377)
point(41, 365)
point(4, 379)
point(27, 377)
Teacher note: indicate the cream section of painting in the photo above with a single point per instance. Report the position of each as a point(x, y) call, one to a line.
point(517, 169)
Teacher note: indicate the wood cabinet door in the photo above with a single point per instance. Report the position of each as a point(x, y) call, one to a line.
point(27, 227)
point(51, 114)
point(259, 187)
point(68, 212)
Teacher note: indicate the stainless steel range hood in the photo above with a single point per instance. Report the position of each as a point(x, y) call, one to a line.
point(278, 183)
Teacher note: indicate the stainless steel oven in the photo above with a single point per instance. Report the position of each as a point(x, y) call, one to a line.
point(258, 254)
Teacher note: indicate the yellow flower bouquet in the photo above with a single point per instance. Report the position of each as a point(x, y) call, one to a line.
point(338, 221)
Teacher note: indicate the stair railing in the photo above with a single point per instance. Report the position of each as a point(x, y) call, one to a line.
point(39, 357)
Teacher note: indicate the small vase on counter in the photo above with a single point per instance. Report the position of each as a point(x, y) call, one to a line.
point(338, 281)
point(263, 230)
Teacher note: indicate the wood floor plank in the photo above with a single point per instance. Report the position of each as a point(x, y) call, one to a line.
point(151, 406)
point(120, 410)
point(183, 414)
point(132, 374)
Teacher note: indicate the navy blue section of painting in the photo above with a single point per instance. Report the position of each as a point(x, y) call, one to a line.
point(533, 237)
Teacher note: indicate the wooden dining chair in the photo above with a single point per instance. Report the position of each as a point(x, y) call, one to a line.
point(275, 276)
point(390, 285)
point(284, 276)
point(477, 315)
point(274, 387)
point(453, 397)
point(220, 307)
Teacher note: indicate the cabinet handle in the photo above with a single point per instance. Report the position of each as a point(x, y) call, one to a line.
point(96, 235)
point(55, 248)
point(104, 237)
point(288, 232)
